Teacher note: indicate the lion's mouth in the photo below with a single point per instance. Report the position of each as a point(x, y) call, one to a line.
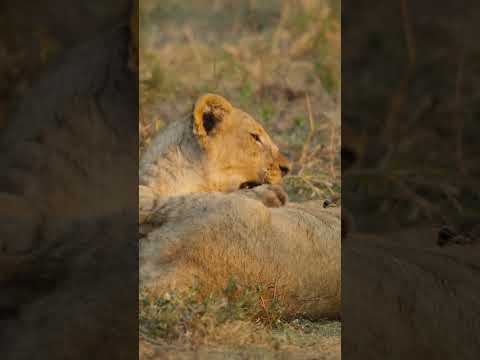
point(250, 184)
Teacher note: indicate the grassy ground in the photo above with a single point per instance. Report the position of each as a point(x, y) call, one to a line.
point(279, 61)
point(235, 325)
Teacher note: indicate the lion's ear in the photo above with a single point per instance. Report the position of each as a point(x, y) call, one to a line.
point(209, 111)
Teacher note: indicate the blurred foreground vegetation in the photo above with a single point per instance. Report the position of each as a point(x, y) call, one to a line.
point(411, 113)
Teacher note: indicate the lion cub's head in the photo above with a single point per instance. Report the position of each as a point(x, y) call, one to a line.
point(218, 148)
point(238, 151)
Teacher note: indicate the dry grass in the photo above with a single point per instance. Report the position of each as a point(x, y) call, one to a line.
point(229, 323)
point(275, 59)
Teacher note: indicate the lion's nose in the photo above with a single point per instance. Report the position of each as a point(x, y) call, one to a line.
point(285, 168)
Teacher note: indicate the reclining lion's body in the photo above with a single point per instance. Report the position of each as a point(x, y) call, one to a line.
point(205, 239)
point(200, 233)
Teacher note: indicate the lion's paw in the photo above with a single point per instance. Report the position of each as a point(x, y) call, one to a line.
point(269, 195)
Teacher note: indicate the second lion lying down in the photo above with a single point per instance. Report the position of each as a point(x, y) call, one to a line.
point(211, 208)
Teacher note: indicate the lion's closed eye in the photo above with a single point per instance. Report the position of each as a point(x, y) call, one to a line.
point(256, 137)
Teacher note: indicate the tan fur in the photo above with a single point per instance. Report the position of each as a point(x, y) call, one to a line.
point(216, 149)
point(204, 239)
point(212, 150)
point(195, 238)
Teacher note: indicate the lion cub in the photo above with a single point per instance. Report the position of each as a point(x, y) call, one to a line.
point(219, 148)
point(211, 207)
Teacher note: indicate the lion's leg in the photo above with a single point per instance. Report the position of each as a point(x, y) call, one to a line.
point(151, 202)
point(270, 195)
